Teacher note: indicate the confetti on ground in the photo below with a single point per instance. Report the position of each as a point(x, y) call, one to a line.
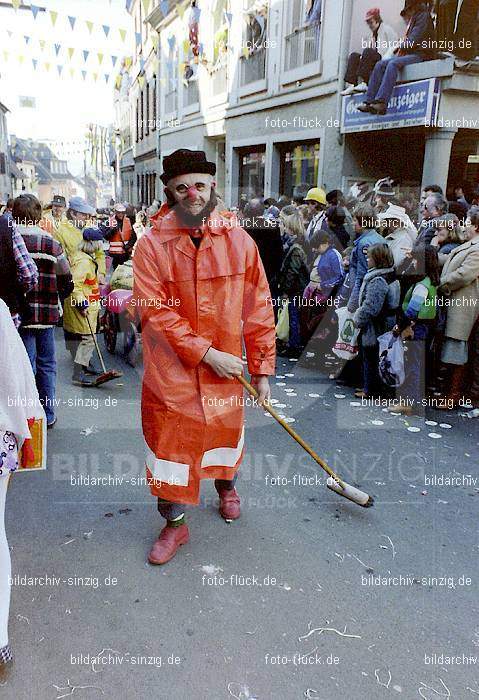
point(432, 423)
point(274, 401)
point(211, 569)
point(355, 403)
point(289, 375)
point(280, 405)
point(280, 384)
point(310, 354)
point(89, 430)
point(290, 420)
point(293, 359)
point(280, 376)
point(447, 694)
point(387, 682)
point(339, 396)
point(446, 426)
point(435, 436)
point(320, 630)
point(314, 396)
point(71, 688)
point(414, 429)
point(292, 394)
point(377, 422)
point(423, 493)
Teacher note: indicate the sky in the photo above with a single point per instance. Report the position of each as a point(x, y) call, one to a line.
point(64, 105)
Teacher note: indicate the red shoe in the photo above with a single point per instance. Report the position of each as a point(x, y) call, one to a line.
point(229, 504)
point(170, 539)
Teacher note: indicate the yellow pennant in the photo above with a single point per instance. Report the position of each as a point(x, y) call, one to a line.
point(16, 4)
point(72, 72)
point(155, 40)
point(146, 6)
point(118, 82)
point(70, 53)
point(100, 58)
point(181, 11)
point(89, 25)
point(5, 55)
point(141, 80)
point(95, 77)
point(245, 52)
point(122, 34)
point(53, 17)
point(21, 59)
point(128, 62)
point(47, 66)
point(186, 46)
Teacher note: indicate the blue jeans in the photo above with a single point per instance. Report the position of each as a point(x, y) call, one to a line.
point(294, 324)
point(40, 346)
point(385, 75)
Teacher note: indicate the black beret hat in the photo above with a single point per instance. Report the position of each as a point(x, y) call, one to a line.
point(183, 161)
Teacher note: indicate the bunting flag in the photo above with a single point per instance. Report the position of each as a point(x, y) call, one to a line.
point(186, 46)
point(164, 7)
point(141, 81)
point(27, 39)
point(128, 5)
point(245, 52)
point(155, 40)
point(57, 49)
point(100, 58)
point(89, 24)
point(228, 17)
point(171, 42)
point(72, 72)
point(16, 4)
point(128, 62)
point(146, 6)
point(70, 53)
point(35, 63)
point(35, 10)
point(181, 11)
point(10, 34)
point(107, 77)
point(114, 60)
point(72, 21)
point(95, 76)
point(122, 34)
point(83, 74)
point(5, 55)
point(85, 55)
point(118, 82)
point(59, 69)
point(106, 29)
point(47, 66)
point(53, 17)
point(138, 38)
point(21, 58)
point(42, 43)
point(142, 63)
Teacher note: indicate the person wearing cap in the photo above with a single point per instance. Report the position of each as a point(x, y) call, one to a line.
point(51, 219)
point(379, 44)
point(364, 217)
point(417, 45)
point(82, 306)
point(317, 202)
point(70, 228)
point(201, 291)
point(399, 232)
point(121, 235)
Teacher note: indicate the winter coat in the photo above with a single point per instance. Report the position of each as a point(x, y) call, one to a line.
point(70, 238)
point(85, 293)
point(422, 34)
point(386, 40)
point(460, 285)
point(399, 243)
point(294, 274)
point(358, 263)
point(190, 300)
point(329, 271)
point(378, 303)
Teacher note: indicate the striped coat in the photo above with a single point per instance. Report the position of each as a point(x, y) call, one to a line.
point(54, 278)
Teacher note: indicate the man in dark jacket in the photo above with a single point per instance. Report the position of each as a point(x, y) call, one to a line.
point(267, 236)
point(416, 46)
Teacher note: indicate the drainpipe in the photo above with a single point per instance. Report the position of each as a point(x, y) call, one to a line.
point(345, 33)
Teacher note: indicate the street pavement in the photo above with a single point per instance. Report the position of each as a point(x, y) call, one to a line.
point(306, 596)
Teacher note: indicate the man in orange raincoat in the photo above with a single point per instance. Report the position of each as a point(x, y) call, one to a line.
point(201, 290)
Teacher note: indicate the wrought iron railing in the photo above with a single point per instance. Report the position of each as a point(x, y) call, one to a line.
point(302, 47)
point(253, 67)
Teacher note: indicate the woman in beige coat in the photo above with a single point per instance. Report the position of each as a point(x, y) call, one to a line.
point(460, 290)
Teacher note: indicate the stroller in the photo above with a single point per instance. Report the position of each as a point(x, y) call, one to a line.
point(118, 318)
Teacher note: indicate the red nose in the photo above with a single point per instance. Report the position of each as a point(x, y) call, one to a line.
point(192, 193)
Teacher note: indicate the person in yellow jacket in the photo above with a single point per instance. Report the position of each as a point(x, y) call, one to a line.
point(69, 233)
point(83, 305)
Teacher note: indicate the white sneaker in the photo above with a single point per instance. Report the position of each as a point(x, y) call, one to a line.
point(362, 87)
point(349, 90)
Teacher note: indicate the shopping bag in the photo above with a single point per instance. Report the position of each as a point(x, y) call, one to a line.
point(391, 360)
point(347, 345)
point(33, 454)
point(282, 326)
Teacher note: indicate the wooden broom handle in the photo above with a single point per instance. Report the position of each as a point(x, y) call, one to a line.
point(292, 432)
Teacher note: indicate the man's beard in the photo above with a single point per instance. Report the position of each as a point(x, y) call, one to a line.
point(196, 220)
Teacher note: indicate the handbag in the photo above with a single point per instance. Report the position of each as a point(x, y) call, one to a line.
point(282, 326)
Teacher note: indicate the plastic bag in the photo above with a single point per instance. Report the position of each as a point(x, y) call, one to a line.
point(346, 346)
point(391, 360)
point(282, 326)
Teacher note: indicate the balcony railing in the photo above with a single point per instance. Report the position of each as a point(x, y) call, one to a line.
point(253, 68)
point(302, 47)
point(191, 94)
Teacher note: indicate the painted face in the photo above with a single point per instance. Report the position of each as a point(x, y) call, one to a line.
point(192, 192)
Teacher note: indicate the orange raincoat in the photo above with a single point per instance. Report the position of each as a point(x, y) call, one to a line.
point(190, 300)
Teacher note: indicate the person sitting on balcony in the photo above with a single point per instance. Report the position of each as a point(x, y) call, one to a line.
point(380, 44)
point(415, 47)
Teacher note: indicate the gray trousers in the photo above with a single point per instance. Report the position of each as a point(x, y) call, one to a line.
point(171, 511)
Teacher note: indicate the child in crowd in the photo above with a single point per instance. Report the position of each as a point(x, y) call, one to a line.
point(417, 323)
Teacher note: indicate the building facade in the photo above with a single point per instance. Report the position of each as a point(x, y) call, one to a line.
point(5, 182)
point(256, 85)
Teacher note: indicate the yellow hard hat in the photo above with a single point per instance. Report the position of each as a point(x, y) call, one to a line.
point(316, 194)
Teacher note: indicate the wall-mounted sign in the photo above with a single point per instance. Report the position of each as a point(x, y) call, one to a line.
point(411, 104)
